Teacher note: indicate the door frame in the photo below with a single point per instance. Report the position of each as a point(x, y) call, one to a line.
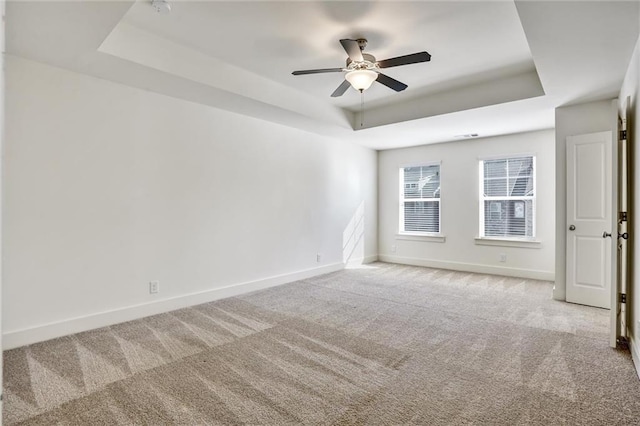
point(2, 132)
point(614, 329)
point(619, 311)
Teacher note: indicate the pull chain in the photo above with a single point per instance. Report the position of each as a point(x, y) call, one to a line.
point(361, 108)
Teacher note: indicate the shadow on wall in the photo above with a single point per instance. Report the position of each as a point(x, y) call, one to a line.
point(353, 237)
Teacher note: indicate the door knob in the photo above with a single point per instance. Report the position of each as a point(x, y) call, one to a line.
point(605, 234)
point(572, 227)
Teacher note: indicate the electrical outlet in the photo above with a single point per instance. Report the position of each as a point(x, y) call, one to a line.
point(393, 249)
point(154, 287)
point(503, 257)
point(319, 257)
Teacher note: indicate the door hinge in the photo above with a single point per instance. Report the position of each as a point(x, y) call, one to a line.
point(622, 216)
point(623, 134)
point(622, 297)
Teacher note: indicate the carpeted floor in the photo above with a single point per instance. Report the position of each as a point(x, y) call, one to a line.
point(380, 345)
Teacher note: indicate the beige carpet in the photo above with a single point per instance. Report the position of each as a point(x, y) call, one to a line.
point(381, 345)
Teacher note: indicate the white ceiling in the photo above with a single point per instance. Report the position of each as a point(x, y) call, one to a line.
point(275, 38)
point(497, 67)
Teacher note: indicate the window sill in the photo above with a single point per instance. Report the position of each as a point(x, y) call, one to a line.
point(431, 238)
point(504, 242)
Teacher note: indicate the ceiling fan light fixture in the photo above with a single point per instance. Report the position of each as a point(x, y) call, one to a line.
point(363, 68)
point(361, 80)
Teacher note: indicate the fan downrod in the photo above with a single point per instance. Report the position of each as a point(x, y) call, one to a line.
point(362, 43)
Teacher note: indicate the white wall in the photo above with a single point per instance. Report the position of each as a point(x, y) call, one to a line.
point(572, 120)
point(630, 88)
point(108, 187)
point(460, 207)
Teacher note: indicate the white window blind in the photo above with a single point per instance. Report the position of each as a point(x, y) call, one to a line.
point(420, 199)
point(507, 197)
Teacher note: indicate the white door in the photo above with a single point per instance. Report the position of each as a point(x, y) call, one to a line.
point(590, 246)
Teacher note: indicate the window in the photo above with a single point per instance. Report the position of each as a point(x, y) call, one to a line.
point(420, 199)
point(507, 197)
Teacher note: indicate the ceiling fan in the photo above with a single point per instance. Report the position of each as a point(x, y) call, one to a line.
point(363, 69)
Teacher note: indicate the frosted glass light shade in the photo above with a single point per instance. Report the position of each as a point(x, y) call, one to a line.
point(361, 79)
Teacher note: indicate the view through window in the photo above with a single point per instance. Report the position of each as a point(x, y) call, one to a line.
point(420, 199)
point(507, 197)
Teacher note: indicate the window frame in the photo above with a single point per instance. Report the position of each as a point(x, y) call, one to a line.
point(482, 198)
point(427, 236)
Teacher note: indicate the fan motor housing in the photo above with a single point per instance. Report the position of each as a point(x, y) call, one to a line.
point(368, 63)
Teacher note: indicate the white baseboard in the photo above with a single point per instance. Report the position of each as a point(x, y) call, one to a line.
point(17, 338)
point(635, 353)
point(471, 267)
point(361, 260)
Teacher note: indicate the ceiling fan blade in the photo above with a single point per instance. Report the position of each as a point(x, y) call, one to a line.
point(341, 89)
point(391, 82)
point(353, 49)
point(414, 58)
point(318, 71)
